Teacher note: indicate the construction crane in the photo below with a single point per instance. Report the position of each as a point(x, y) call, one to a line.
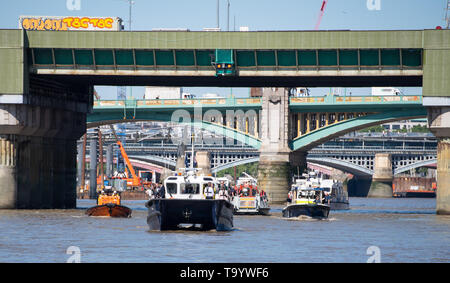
point(321, 12)
point(134, 181)
point(447, 15)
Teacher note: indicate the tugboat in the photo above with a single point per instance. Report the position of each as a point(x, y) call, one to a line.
point(188, 203)
point(108, 204)
point(247, 198)
point(306, 201)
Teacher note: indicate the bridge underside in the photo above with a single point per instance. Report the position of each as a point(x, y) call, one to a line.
point(258, 80)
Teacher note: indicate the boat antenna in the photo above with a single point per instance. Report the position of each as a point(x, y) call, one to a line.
point(192, 148)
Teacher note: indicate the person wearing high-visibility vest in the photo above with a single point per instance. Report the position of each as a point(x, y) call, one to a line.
point(209, 191)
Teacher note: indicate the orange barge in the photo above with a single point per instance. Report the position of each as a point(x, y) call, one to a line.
point(108, 204)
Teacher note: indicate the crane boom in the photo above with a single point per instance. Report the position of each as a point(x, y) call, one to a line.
point(135, 181)
point(321, 12)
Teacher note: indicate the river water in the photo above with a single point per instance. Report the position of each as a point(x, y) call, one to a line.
point(388, 230)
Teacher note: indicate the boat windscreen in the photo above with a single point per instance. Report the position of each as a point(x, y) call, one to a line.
point(190, 188)
point(171, 188)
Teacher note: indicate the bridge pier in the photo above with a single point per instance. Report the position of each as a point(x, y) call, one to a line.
point(439, 124)
point(274, 169)
point(93, 169)
point(37, 172)
point(203, 162)
point(382, 178)
point(38, 136)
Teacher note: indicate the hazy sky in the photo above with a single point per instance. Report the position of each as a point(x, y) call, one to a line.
point(256, 14)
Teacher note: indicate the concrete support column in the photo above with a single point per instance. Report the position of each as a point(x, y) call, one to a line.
point(439, 124)
point(58, 174)
point(382, 178)
point(93, 169)
point(274, 169)
point(8, 188)
point(37, 172)
point(203, 162)
point(79, 163)
point(443, 176)
point(180, 161)
point(47, 180)
point(70, 193)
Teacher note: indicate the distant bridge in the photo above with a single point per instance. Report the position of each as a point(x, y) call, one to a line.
point(353, 155)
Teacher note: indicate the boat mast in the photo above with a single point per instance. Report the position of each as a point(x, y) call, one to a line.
point(192, 148)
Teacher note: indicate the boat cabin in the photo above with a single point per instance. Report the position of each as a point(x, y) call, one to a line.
point(307, 195)
point(187, 187)
point(108, 196)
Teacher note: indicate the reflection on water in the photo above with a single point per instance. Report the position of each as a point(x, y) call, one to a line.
point(405, 230)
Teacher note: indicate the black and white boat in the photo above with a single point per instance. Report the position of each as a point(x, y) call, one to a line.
point(306, 201)
point(185, 205)
point(333, 190)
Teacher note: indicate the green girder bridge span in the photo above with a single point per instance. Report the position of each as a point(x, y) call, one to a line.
point(314, 120)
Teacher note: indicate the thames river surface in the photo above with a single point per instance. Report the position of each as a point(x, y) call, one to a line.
point(386, 230)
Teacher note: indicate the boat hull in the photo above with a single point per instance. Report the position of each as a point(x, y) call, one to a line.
point(169, 214)
point(109, 209)
point(254, 211)
point(316, 211)
point(249, 206)
point(416, 194)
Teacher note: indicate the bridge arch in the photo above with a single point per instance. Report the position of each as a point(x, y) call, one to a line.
point(415, 165)
point(234, 163)
point(321, 135)
point(343, 166)
point(217, 128)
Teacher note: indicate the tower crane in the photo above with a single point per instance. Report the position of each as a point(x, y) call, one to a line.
point(321, 12)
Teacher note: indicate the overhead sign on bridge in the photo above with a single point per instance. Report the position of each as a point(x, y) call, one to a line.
point(70, 23)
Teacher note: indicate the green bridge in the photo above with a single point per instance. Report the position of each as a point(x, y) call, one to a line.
point(314, 119)
point(47, 80)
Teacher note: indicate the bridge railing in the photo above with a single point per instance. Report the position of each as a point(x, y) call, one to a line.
point(179, 103)
point(257, 101)
point(334, 99)
point(375, 147)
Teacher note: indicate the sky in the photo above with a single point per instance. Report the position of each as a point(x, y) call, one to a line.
point(257, 15)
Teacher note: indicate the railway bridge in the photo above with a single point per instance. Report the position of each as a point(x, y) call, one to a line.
point(46, 93)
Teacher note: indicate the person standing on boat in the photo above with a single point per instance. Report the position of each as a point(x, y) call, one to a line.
point(223, 194)
point(209, 191)
point(231, 191)
point(161, 191)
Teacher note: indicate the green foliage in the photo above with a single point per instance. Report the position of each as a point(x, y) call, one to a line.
point(250, 168)
point(373, 129)
point(420, 129)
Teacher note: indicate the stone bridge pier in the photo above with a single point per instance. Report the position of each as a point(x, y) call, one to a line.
point(439, 124)
point(277, 162)
point(38, 150)
point(381, 186)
